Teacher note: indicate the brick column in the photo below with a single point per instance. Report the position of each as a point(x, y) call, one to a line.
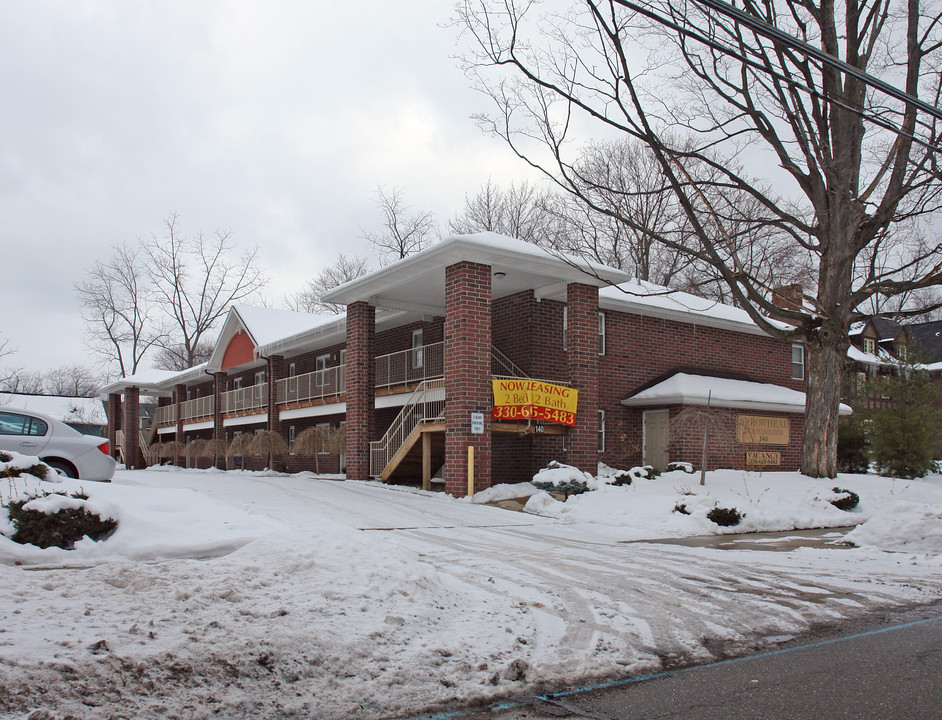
point(179, 393)
point(582, 360)
point(132, 428)
point(114, 420)
point(276, 371)
point(467, 374)
point(219, 387)
point(361, 387)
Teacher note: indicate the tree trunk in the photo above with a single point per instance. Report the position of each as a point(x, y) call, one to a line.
point(827, 351)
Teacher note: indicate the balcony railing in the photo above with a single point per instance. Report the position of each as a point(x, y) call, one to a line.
point(409, 367)
point(254, 397)
point(312, 386)
point(165, 415)
point(198, 409)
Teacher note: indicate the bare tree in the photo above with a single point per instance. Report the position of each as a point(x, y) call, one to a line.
point(18, 380)
point(520, 211)
point(72, 381)
point(196, 279)
point(344, 270)
point(840, 157)
point(117, 310)
point(175, 357)
point(403, 232)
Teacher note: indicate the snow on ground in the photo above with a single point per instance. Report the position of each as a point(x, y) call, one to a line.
point(252, 595)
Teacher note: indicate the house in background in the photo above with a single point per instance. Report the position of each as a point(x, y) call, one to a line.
point(409, 372)
point(87, 415)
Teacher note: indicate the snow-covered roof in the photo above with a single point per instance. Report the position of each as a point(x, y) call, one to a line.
point(646, 298)
point(87, 411)
point(417, 283)
point(148, 381)
point(858, 355)
point(268, 325)
point(689, 389)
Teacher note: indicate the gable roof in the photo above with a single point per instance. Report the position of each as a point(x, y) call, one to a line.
point(928, 337)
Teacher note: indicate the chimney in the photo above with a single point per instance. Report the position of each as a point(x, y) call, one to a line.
point(787, 297)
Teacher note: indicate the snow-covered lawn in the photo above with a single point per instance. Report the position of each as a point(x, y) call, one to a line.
point(252, 595)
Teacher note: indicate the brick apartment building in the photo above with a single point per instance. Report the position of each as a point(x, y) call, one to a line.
point(408, 371)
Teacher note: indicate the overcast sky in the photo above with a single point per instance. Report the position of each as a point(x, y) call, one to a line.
point(274, 118)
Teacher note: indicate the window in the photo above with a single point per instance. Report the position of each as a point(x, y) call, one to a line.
point(291, 439)
point(861, 382)
point(324, 429)
point(320, 363)
point(601, 430)
point(798, 362)
point(343, 356)
point(260, 377)
point(565, 327)
point(237, 383)
point(870, 346)
point(15, 424)
point(417, 354)
point(601, 333)
point(292, 369)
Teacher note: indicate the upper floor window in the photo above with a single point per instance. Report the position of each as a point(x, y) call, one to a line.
point(417, 352)
point(292, 369)
point(260, 377)
point(320, 363)
point(601, 333)
point(798, 362)
point(237, 383)
point(870, 346)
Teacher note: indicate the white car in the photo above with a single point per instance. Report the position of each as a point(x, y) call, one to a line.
point(85, 457)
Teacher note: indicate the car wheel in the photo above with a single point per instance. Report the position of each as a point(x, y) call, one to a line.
point(62, 468)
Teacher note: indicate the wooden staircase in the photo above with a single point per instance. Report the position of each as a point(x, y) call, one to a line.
point(420, 457)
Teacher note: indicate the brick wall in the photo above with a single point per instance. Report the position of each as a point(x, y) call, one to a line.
point(583, 373)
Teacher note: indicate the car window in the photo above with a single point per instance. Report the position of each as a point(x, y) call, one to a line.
point(16, 424)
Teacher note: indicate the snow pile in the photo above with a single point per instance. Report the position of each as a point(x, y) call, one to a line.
point(153, 523)
point(298, 597)
point(675, 505)
point(902, 527)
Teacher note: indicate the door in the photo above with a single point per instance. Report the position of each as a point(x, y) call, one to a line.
point(656, 438)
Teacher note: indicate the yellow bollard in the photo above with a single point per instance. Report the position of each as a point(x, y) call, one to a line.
point(470, 470)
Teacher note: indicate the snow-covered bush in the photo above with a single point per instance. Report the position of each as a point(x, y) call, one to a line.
point(565, 479)
point(844, 499)
point(13, 464)
point(725, 517)
point(55, 520)
point(683, 466)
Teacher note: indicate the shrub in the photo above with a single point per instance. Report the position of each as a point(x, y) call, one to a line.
point(904, 437)
point(59, 529)
point(681, 508)
point(853, 447)
point(846, 500)
point(725, 517)
point(10, 469)
point(569, 487)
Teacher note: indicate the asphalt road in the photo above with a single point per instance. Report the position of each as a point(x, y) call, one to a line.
point(882, 667)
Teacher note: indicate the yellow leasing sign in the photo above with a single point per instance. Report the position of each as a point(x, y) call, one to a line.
point(522, 399)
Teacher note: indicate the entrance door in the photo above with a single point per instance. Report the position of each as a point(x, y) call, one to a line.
point(656, 438)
